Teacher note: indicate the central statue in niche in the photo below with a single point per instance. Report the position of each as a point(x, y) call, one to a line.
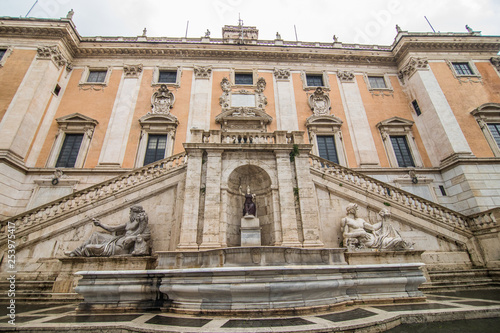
point(249, 207)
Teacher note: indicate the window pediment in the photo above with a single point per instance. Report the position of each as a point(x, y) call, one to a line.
point(76, 120)
point(395, 124)
point(487, 112)
point(155, 119)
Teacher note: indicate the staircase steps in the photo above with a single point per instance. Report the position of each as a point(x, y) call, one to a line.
point(461, 280)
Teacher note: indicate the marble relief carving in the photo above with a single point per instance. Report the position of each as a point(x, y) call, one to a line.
point(413, 65)
point(282, 74)
point(345, 76)
point(52, 53)
point(319, 102)
point(132, 71)
point(496, 62)
point(162, 100)
point(201, 72)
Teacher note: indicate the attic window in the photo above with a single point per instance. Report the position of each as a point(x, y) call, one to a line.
point(243, 78)
point(57, 90)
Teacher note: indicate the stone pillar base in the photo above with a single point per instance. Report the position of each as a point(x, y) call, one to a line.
point(250, 231)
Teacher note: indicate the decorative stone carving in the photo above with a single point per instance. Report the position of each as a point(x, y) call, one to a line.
point(243, 109)
point(345, 76)
point(319, 102)
point(130, 238)
point(413, 65)
point(359, 234)
point(132, 71)
point(201, 72)
point(162, 100)
point(52, 53)
point(282, 74)
point(70, 14)
point(496, 62)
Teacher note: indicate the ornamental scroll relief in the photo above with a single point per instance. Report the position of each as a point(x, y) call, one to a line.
point(319, 102)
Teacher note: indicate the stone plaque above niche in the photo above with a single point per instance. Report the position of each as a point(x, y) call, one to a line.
point(242, 100)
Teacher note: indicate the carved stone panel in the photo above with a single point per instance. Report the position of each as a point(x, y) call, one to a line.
point(132, 71)
point(319, 102)
point(413, 65)
point(162, 100)
point(201, 72)
point(282, 74)
point(345, 76)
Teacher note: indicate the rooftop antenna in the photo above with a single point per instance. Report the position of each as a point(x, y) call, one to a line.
point(187, 26)
point(295, 28)
point(429, 23)
point(31, 8)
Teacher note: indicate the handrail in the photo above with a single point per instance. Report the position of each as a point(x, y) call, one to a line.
point(391, 193)
point(95, 192)
point(484, 220)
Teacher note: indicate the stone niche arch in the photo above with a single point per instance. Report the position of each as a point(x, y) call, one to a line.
point(262, 186)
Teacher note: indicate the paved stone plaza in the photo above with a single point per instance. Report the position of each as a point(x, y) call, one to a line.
point(452, 306)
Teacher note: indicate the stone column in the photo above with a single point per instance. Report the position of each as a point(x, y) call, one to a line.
point(359, 127)
point(199, 106)
point(189, 224)
point(286, 112)
point(308, 202)
point(211, 223)
point(278, 235)
point(289, 229)
point(24, 114)
point(439, 127)
point(115, 141)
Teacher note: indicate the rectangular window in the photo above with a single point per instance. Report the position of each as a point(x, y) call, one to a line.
point(167, 77)
point(327, 148)
point(377, 82)
point(495, 131)
point(416, 107)
point(462, 68)
point(402, 151)
point(97, 76)
point(157, 144)
point(243, 78)
point(2, 53)
point(69, 151)
point(443, 192)
point(314, 80)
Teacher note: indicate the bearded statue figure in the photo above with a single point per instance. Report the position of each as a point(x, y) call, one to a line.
point(131, 238)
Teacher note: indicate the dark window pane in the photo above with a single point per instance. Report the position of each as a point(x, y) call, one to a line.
point(240, 78)
point(495, 131)
point(2, 53)
point(416, 108)
point(155, 151)
point(462, 68)
point(327, 149)
point(167, 77)
point(97, 76)
point(69, 151)
point(377, 82)
point(402, 151)
point(314, 80)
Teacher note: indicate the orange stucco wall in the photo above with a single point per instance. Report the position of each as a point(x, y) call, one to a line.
point(215, 108)
point(383, 107)
point(304, 112)
point(143, 106)
point(94, 104)
point(12, 74)
point(463, 97)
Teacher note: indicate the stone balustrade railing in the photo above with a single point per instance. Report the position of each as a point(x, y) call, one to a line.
point(95, 193)
point(485, 220)
point(391, 194)
point(218, 136)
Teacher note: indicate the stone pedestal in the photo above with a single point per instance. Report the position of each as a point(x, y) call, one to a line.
point(66, 280)
point(250, 231)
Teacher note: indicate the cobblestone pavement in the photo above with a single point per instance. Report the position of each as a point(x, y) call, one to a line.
point(451, 307)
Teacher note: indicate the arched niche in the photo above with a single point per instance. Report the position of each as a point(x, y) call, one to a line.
point(261, 185)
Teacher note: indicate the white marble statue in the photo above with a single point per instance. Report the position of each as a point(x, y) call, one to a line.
point(359, 234)
point(129, 238)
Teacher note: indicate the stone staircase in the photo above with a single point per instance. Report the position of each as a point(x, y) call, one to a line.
point(476, 278)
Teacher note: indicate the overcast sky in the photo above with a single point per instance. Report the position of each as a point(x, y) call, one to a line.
point(353, 21)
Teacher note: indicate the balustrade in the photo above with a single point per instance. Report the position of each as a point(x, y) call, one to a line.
point(96, 193)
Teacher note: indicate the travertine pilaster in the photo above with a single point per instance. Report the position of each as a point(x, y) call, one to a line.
point(25, 112)
point(439, 128)
point(308, 202)
point(211, 223)
point(189, 225)
point(359, 127)
point(199, 107)
point(115, 141)
point(287, 205)
point(286, 112)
